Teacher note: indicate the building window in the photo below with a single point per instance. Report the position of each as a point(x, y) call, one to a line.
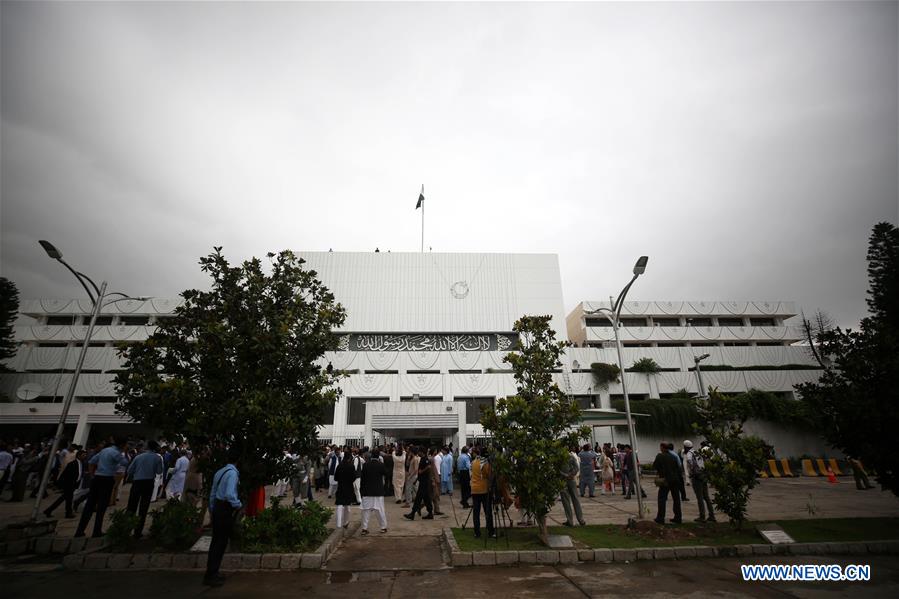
point(730, 322)
point(671, 344)
point(60, 321)
point(328, 416)
point(770, 343)
point(736, 344)
point(51, 344)
point(702, 344)
point(598, 322)
point(422, 372)
point(381, 372)
point(102, 321)
point(421, 398)
point(762, 322)
point(584, 402)
point(134, 321)
point(355, 413)
point(699, 322)
point(635, 344)
point(91, 344)
point(473, 407)
point(465, 372)
point(666, 322)
point(633, 322)
point(630, 396)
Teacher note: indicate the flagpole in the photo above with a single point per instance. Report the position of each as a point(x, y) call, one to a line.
point(422, 219)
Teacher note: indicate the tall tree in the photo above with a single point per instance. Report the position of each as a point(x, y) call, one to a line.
point(535, 427)
point(9, 309)
point(239, 365)
point(856, 400)
point(733, 461)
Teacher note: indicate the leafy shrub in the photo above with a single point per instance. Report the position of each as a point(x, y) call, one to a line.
point(646, 366)
point(666, 416)
point(604, 373)
point(677, 414)
point(120, 533)
point(285, 529)
point(177, 525)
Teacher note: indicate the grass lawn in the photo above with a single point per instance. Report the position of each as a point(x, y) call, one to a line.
point(614, 535)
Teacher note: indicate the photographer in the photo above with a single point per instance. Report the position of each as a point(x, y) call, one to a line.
point(696, 467)
point(481, 474)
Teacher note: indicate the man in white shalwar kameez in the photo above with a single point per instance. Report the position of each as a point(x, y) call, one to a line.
point(176, 484)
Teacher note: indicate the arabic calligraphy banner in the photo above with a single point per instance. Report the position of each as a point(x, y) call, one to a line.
point(427, 342)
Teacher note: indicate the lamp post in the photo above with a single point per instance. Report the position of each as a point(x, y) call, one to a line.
point(613, 314)
point(67, 403)
point(696, 361)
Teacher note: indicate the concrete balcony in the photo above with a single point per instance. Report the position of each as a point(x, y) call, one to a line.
point(786, 334)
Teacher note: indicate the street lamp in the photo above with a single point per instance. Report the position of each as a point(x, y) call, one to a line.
point(696, 361)
point(67, 403)
point(613, 314)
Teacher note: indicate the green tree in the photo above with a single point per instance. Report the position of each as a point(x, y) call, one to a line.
point(9, 309)
point(856, 401)
point(239, 365)
point(536, 426)
point(734, 460)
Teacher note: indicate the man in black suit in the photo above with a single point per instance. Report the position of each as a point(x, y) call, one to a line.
point(669, 478)
point(68, 480)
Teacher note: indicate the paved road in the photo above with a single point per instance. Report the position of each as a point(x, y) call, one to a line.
point(693, 578)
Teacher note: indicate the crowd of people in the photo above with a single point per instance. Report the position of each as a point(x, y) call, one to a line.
point(94, 476)
point(417, 477)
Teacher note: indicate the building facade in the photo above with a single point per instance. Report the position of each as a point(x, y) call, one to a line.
point(422, 346)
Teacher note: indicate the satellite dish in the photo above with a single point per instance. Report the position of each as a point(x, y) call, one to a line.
point(29, 391)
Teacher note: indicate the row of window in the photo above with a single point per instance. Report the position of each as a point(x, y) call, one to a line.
point(102, 320)
point(684, 322)
point(601, 344)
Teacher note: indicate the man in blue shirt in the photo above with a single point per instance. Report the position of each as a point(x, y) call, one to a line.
point(224, 505)
point(142, 472)
point(103, 466)
point(464, 466)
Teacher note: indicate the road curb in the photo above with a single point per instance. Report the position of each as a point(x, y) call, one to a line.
point(459, 558)
point(93, 559)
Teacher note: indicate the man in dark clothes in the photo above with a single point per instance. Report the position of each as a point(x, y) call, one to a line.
point(68, 480)
point(424, 490)
point(372, 489)
point(667, 468)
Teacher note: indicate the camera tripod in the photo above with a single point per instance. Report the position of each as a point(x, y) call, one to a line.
point(501, 518)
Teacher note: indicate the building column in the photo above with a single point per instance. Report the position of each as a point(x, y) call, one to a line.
point(462, 437)
point(82, 430)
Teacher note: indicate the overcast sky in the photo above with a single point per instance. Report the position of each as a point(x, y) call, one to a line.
point(746, 148)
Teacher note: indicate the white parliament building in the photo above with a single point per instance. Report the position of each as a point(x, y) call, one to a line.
point(423, 347)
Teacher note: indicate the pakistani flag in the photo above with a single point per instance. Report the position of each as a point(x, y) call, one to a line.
point(421, 198)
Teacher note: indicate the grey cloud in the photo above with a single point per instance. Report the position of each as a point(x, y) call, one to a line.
point(748, 148)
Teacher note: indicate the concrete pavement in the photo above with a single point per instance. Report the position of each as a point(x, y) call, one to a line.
point(689, 578)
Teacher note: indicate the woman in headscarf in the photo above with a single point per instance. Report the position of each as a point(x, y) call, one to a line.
point(345, 476)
